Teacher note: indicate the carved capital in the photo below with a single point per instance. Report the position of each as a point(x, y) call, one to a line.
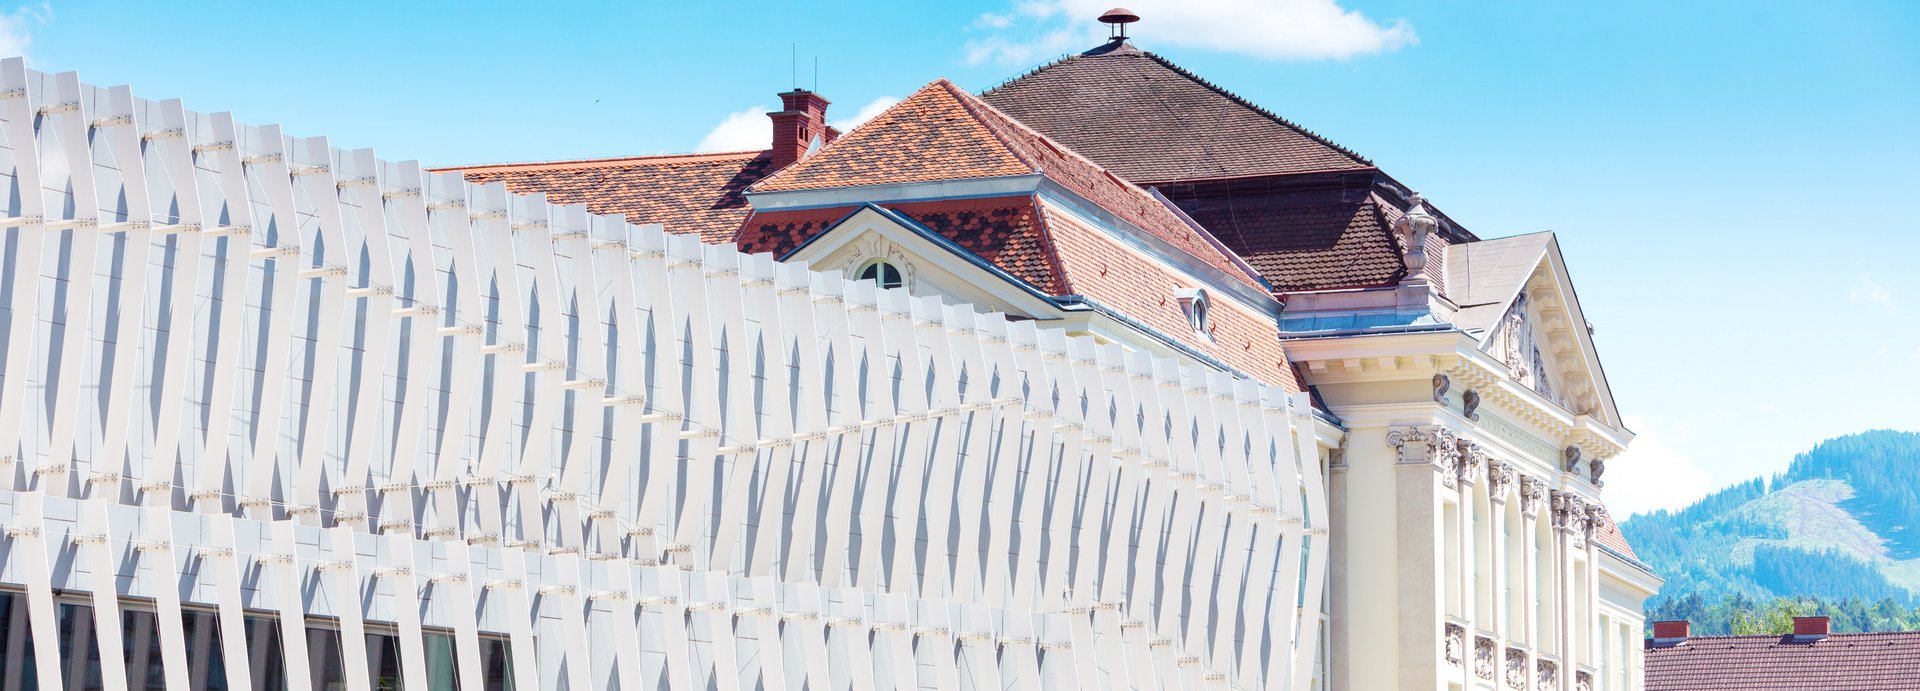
point(1533, 494)
point(1501, 478)
point(1473, 458)
point(1571, 514)
point(1516, 669)
point(1547, 676)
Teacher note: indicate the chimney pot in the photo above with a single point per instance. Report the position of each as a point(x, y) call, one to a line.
point(1671, 630)
point(1810, 628)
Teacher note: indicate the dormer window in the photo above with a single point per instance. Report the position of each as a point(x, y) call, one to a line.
point(882, 273)
point(1193, 303)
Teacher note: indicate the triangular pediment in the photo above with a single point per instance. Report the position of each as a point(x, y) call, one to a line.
point(1515, 296)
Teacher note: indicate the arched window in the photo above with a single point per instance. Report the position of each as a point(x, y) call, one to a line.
point(1193, 301)
point(882, 273)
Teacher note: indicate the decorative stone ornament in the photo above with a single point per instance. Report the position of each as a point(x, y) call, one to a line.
point(1455, 644)
point(1516, 669)
point(1596, 468)
point(1583, 681)
point(1547, 676)
point(1440, 386)
point(1571, 459)
point(1437, 446)
point(1470, 404)
point(1483, 657)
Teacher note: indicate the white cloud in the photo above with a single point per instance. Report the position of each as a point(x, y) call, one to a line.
point(1651, 475)
point(746, 130)
point(866, 112)
point(1871, 292)
point(1266, 29)
point(16, 28)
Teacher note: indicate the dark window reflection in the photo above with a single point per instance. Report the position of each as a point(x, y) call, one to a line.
point(264, 654)
point(324, 663)
point(79, 648)
point(496, 664)
point(206, 667)
point(140, 642)
point(383, 661)
point(16, 645)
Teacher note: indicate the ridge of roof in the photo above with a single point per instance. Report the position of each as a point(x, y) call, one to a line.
point(917, 120)
point(1255, 107)
point(612, 162)
point(1128, 49)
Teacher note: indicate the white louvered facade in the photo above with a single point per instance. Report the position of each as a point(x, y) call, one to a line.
point(276, 415)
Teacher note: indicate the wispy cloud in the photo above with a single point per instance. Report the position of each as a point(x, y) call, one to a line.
point(746, 130)
point(1652, 475)
point(1871, 292)
point(866, 112)
point(1265, 29)
point(749, 129)
point(17, 26)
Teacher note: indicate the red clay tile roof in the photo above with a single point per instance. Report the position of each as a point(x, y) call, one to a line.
point(927, 136)
point(1304, 240)
point(1097, 267)
point(687, 193)
point(1151, 121)
point(1009, 233)
point(1773, 663)
point(944, 133)
point(1005, 231)
point(1608, 534)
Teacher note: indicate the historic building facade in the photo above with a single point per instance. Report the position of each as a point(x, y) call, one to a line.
point(1049, 386)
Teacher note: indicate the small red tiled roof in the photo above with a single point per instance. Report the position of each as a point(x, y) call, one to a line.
point(1151, 121)
point(1845, 661)
point(1004, 231)
point(944, 133)
point(686, 193)
point(928, 136)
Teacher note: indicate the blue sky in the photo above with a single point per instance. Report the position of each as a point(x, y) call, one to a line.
point(1734, 182)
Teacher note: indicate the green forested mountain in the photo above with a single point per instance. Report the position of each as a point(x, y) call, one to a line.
point(1841, 524)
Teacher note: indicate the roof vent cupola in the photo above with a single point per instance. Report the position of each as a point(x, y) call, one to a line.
point(1117, 20)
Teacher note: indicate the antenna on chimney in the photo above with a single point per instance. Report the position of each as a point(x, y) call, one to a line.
point(1117, 20)
point(793, 65)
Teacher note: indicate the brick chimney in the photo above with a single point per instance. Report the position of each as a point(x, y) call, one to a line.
point(1809, 629)
point(802, 120)
point(1670, 633)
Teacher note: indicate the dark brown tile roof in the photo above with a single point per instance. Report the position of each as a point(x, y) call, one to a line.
point(1151, 121)
point(1304, 240)
point(944, 133)
point(687, 193)
point(1004, 231)
point(1774, 663)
